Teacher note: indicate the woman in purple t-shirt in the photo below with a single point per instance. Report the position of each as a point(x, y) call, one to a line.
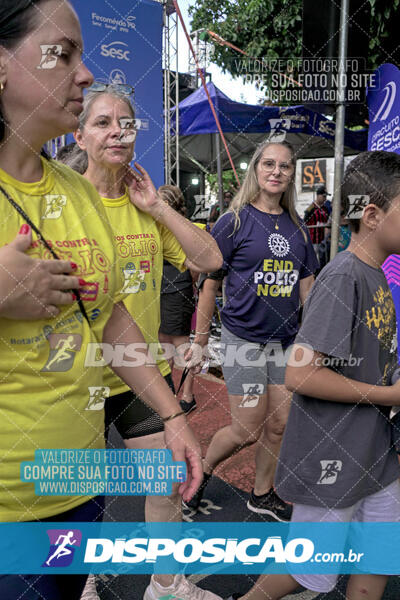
point(269, 263)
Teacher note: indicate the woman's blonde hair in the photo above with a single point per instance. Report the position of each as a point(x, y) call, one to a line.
point(250, 189)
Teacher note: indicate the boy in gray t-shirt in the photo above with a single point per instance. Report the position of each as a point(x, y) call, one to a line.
point(337, 461)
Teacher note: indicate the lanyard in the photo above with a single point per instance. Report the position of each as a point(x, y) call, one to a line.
point(45, 243)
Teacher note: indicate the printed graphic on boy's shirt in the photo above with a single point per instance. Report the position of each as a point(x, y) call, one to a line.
point(330, 470)
point(134, 281)
point(54, 206)
point(63, 349)
point(97, 397)
point(251, 394)
point(381, 317)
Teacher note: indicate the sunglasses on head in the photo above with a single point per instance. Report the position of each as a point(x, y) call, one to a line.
point(122, 88)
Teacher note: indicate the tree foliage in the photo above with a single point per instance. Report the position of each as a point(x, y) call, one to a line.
point(272, 28)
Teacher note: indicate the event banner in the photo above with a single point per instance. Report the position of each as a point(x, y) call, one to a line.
point(123, 44)
point(384, 134)
point(384, 110)
point(224, 548)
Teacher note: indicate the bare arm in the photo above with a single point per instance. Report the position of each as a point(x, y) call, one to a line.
point(323, 383)
point(201, 249)
point(205, 311)
point(148, 383)
point(305, 287)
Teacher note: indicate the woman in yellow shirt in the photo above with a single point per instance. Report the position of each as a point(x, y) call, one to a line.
point(46, 384)
point(146, 231)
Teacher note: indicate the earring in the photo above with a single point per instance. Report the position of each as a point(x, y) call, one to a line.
point(1, 87)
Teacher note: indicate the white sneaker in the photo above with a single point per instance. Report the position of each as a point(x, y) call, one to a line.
point(181, 589)
point(89, 591)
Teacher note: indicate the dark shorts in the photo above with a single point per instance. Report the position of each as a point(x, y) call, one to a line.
point(131, 416)
point(53, 587)
point(176, 312)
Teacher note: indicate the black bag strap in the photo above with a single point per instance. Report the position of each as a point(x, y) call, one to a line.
point(182, 381)
point(45, 243)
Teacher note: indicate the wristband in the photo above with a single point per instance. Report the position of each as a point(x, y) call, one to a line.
point(201, 333)
point(178, 414)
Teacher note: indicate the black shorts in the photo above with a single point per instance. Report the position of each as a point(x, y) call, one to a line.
point(176, 312)
point(131, 416)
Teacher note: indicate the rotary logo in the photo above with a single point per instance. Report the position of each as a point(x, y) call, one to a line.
point(278, 244)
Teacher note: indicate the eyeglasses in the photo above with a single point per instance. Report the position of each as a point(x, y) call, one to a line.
point(269, 165)
point(122, 88)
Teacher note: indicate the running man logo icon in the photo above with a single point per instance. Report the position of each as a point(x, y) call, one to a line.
point(50, 54)
point(133, 279)
point(63, 348)
point(279, 129)
point(251, 394)
point(97, 397)
point(330, 470)
point(54, 206)
point(62, 547)
point(128, 130)
point(357, 206)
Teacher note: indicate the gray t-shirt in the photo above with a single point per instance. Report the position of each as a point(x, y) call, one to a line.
point(334, 454)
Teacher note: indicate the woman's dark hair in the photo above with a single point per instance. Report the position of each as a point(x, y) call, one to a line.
point(17, 19)
point(374, 174)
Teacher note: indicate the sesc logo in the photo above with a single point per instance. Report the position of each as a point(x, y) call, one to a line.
point(114, 50)
point(387, 103)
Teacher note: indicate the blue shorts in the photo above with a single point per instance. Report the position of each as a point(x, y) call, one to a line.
point(53, 587)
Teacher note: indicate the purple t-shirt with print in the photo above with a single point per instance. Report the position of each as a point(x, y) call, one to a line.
point(264, 266)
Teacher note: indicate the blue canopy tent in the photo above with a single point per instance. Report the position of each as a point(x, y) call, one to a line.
point(245, 126)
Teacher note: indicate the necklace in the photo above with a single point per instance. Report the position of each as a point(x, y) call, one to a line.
point(276, 221)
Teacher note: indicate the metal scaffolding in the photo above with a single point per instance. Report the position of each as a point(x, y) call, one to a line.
point(171, 93)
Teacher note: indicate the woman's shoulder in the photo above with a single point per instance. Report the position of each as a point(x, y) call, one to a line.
point(70, 179)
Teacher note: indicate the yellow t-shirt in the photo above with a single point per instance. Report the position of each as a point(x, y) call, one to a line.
point(47, 393)
point(142, 246)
